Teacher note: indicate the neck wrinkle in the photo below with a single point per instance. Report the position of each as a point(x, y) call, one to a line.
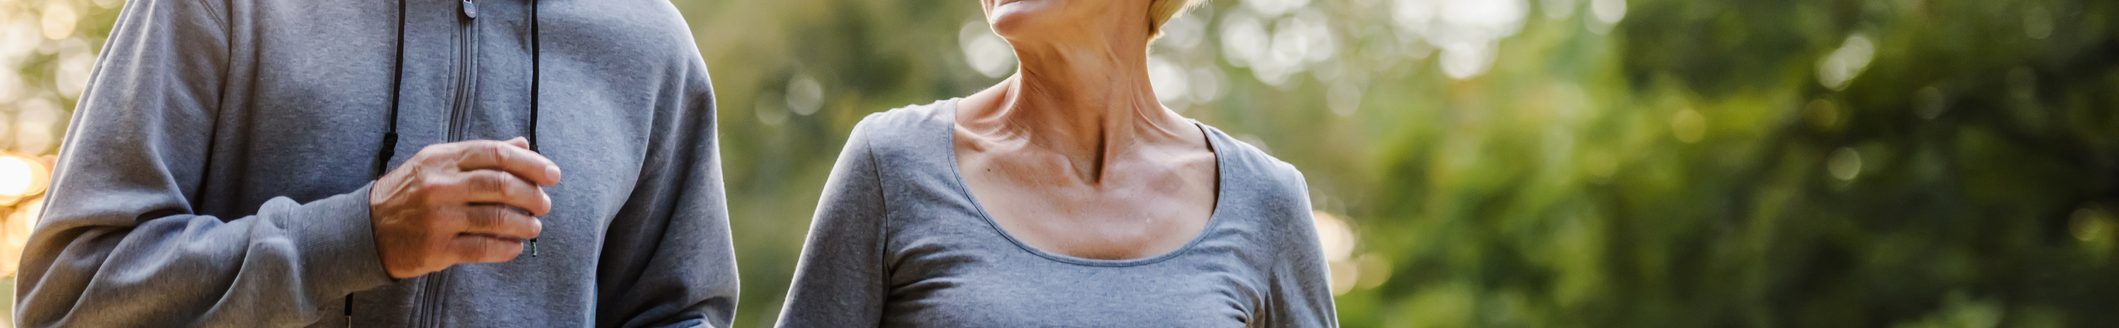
point(1090, 105)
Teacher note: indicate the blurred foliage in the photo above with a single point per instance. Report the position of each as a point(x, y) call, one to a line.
point(1921, 163)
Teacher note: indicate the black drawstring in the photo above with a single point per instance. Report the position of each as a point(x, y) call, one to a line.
point(382, 160)
point(397, 67)
point(397, 81)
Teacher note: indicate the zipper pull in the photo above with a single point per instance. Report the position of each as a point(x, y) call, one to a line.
point(470, 9)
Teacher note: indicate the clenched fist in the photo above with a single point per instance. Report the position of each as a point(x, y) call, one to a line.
point(464, 202)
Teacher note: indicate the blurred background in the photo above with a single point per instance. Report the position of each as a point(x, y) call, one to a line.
point(1721, 163)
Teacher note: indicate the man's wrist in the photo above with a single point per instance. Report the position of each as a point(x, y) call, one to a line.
point(337, 243)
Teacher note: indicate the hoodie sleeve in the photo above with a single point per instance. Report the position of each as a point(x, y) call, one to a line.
point(840, 280)
point(668, 260)
point(119, 243)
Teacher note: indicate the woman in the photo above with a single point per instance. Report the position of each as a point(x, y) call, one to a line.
point(1064, 196)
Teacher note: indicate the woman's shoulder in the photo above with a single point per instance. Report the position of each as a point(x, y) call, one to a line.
point(1248, 162)
point(915, 130)
point(1270, 191)
point(902, 122)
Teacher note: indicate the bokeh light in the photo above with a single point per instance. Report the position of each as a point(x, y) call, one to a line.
point(986, 52)
point(15, 232)
point(59, 19)
point(1835, 70)
point(1338, 241)
point(22, 176)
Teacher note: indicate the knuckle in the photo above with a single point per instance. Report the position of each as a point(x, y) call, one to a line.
point(516, 223)
point(542, 204)
point(428, 151)
point(470, 150)
point(488, 147)
point(487, 182)
point(431, 153)
point(419, 177)
point(500, 152)
point(510, 188)
point(433, 193)
point(494, 215)
point(427, 183)
point(472, 218)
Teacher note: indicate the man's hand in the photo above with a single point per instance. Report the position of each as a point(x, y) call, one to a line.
point(464, 202)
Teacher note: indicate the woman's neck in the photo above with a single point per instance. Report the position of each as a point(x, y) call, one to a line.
point(1088, 104)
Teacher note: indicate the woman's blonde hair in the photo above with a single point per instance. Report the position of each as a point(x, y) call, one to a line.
point(1162, 11)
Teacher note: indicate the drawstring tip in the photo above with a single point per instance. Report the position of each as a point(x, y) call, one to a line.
point(533, 248)
point(349, 310)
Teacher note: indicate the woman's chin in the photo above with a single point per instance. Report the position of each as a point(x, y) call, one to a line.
point(1024, 20)
point(998, 6)
point(1018, 13)
point(1024, 24)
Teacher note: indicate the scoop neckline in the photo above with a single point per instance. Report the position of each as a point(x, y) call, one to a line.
point(1221, 173)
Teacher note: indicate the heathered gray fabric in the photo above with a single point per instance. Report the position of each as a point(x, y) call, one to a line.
point(216, 168)
point(898, 242)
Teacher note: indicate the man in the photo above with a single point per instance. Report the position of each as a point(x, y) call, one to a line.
point(335, 163)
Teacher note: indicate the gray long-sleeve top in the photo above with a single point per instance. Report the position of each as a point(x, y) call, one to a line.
point(215, 173)
point(898, 241)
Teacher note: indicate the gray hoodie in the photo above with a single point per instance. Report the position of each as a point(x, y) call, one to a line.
point(217, 169)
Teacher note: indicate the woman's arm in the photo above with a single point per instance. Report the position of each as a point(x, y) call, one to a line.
point(1300, 286)
point(840, 279)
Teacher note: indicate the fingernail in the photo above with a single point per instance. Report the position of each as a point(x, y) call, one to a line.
point(553, 171)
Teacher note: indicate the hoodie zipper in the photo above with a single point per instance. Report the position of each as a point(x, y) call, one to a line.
point(466, 70)
point(431, 290)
